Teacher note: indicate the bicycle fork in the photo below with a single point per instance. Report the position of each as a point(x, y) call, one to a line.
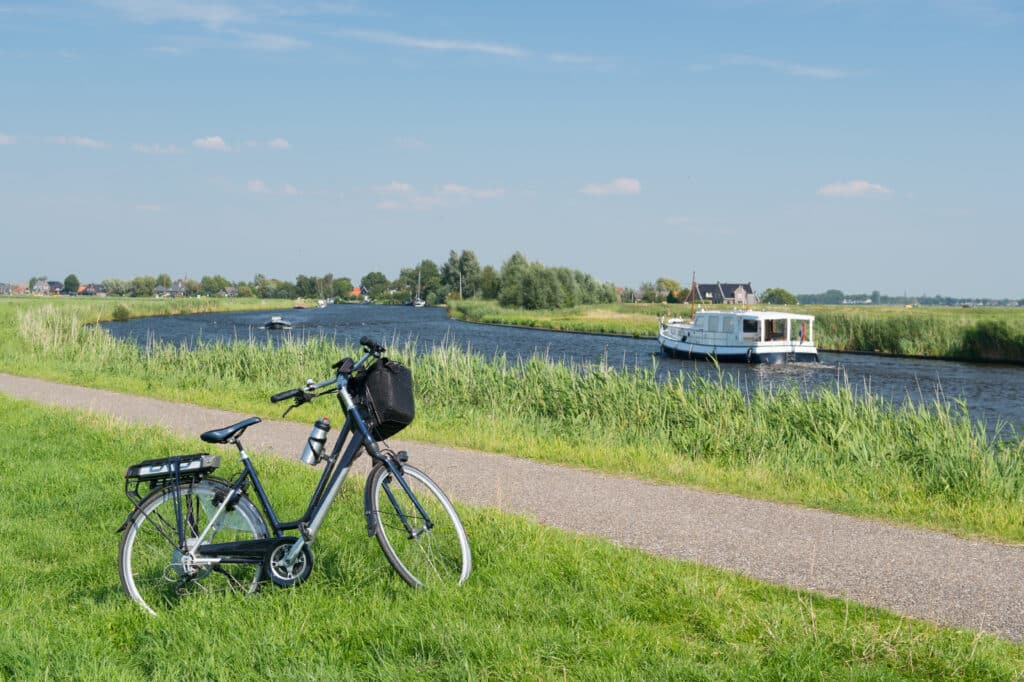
point(396, 475)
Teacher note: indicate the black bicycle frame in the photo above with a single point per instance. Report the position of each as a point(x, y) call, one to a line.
point(338, 464)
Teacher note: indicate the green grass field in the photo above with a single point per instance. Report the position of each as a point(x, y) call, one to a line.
point(541, 604)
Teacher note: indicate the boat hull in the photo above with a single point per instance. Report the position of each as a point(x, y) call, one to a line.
point(772, 354)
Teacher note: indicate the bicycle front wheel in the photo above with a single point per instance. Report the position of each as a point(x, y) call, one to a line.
point(426, 545)
point(156, 572)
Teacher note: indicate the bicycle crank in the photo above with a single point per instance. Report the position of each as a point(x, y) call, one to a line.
point(284, 573)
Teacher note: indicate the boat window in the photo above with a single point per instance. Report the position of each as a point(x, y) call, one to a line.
point(713, 323)
point(729, 324)
point(749, 326)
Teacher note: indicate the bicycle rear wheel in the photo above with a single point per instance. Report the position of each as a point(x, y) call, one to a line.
point(154, 570)
point(423, 554)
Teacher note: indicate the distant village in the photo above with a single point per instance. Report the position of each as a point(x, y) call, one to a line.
point(709, 293)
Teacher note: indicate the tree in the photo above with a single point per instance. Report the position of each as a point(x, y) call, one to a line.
point(666, 288)
point(342, 288)
point(212, 285)
point(374, 284)
point(429, 276)
point(648, 292)
point(117, 287)
point(163, 280)
point(192, 287)
point(778, 297)
point(33, 280)
point(71, 284)
point(144, 285)
point(306, 286)
point(490, 282)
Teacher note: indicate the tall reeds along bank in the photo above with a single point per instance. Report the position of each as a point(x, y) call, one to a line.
point(927, 464)
point(952, 333)
point(989, 335)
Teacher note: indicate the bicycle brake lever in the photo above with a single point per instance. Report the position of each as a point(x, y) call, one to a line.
point(301, 399)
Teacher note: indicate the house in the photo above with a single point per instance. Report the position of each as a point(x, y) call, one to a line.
point(176, 290)
point(93, 290)
point(726, 292)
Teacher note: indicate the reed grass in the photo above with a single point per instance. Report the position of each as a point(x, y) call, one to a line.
point(975, 334)
point(929, 465)
point(541, 603)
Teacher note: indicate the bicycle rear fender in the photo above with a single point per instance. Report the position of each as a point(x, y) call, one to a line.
point(136, 511)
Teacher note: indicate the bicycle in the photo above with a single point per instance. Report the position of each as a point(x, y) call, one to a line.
point(193, 532)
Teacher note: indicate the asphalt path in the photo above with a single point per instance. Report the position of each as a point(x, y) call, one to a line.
point(919, 573)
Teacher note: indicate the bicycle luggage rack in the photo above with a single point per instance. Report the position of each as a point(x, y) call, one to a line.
point(166, 471)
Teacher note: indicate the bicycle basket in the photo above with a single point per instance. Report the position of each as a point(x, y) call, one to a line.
point(385, 393)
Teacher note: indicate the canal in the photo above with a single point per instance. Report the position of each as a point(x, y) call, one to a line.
point(992, 393)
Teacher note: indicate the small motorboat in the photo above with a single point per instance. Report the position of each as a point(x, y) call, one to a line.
point(277, 322)
point(751, 336)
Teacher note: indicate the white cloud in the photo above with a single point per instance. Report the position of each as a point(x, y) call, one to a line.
point(86, 142)
point(213, 143)
point(6, 139)
point(854, 188)
point(562, 58)
point(789, 68)
point(396, 187)
point(260, 187)
point(401, 195)
point(279, 143)
point(434, 44)
point(157, 149)
point(453, 189)
point(209, 14)
point(616, 186)
point(268, 41)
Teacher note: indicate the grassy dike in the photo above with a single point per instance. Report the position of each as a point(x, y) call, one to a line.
point(927, 466)
point(976, 334)
point(542, 603)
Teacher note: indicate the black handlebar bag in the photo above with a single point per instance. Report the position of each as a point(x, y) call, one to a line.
point(384, 394)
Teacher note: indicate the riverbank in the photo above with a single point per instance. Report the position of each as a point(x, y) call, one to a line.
point(973, 335)
point(927, 465)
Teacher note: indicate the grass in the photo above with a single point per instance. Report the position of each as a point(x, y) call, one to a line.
point(929, 466)
point(541, 604)
point(976, 334)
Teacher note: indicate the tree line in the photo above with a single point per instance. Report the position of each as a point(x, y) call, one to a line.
point(518, 282)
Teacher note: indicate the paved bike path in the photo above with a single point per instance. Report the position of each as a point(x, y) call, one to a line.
point(925, 574)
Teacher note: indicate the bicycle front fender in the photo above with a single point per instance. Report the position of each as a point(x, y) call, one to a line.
point(371, 523)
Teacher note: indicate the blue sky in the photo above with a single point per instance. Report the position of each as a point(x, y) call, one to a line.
point(803, 144)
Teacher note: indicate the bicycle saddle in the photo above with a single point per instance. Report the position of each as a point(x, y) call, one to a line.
point(229, 432)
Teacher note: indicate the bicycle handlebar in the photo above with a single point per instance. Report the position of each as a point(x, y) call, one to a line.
point(372, 346)
point(278, 397)
point(344, 367)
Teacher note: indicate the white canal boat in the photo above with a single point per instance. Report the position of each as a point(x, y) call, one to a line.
point(753, 336)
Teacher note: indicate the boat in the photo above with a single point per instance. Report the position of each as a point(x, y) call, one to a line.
point(299, 304)
point(417, 302)
point(277, 322)
point(321, 303)
point(752, 336)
